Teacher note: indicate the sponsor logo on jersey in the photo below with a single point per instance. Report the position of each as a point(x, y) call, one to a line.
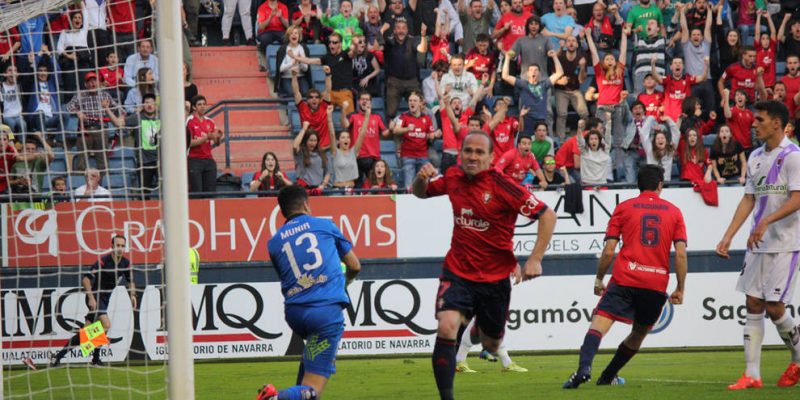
point(467, 220)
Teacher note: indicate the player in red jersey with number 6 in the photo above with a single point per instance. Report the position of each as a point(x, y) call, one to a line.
point(475, 278)
point(648, 227)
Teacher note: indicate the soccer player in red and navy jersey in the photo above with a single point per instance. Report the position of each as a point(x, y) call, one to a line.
point(475, 278)
point(648, 227)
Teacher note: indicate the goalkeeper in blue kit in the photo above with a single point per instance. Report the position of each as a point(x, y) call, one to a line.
point(307, 253)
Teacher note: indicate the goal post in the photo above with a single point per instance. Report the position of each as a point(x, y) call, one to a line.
point(169, 37)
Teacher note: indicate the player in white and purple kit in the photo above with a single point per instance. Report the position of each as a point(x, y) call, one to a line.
point(771, 261)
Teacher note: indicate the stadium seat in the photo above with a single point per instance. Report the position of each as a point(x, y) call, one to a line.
point(391, 159)
point(317, 50)
point(115, 181)
point(294, 118)
point(780, 68)
point(388, 146)
point(424, 73)
point(292, 175)
point(247, 177)
point(318, 77)
point(58, 165)
point(272, 53)
point(75, 181)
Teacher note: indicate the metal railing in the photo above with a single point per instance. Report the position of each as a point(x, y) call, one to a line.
point(226, 107)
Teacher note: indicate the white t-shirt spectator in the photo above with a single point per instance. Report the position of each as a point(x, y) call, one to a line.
point(460, 86)
point(12, 105)
point(100, 194)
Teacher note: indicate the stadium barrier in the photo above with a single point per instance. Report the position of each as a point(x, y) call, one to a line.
point(237, 307)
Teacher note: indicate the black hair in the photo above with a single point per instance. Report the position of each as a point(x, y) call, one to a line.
point(638, 103)
point(649, 177)
point(195, 100)
point(291, 199)
point(475, 118)
point(118, 236)
point(775, 109)
point(592, 122)
point(148, 96)
point(532, 18)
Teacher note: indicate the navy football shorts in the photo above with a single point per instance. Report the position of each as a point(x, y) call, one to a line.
point(103, 298)
point(630, 304)
point(322, 328)
point(487, 301)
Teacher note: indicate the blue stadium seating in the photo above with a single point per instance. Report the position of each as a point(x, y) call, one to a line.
point(708, 140)
point(272, 52)
point(247, 177)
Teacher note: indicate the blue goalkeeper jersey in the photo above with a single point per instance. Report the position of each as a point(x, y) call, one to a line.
point(307, 254)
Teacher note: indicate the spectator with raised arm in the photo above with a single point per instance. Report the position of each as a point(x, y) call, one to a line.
point(634, 119)
point(345, 23)
point(649, 52)
point(501, 127)
point(314, 109)
point(558, 25)
point(766, 49)
point(74, 56)
point(512, 26)
point(659, 146)
point(30, 166)
point(397, 12)
point(339, 66)
point(92, 188)
point(481, 61)
point(677, 85)
point(790, 43)
point(696, 44)
point(374, 128)
point(739, 118)
point(44, 107)
point(533, 91)
point(475, 19)
point(402, 56)
point(344, 151)
point(605, 31)
point(610, 79)
point(518, 162)
point(311, 163)
point(457, 121)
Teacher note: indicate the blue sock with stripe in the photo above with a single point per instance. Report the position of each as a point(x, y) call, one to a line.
point(298, 393)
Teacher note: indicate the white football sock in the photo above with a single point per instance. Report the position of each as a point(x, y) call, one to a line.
point(753, 337)
point(466, 343)
point(788, 332)
point(502, 353)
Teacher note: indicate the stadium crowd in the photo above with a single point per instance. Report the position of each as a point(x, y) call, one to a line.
point(577, 91)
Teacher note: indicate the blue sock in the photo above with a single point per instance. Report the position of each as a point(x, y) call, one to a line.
point(444, 366)
point(591, 342)
point(298, 393)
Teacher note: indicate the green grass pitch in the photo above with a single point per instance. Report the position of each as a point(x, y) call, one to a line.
point(668, 375)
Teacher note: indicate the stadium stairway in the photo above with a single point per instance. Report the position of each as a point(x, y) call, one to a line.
point(228, 73)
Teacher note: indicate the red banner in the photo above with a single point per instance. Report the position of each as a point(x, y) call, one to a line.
point(222, 230)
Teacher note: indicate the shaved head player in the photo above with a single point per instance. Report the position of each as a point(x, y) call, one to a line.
point(475, 278)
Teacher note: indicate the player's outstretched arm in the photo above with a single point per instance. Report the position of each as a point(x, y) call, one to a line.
point(420, 185)
point(742, 211)
point(87, 288)
point(353, 265)
point(547, 224)
point(602, 266)
point(681, 266)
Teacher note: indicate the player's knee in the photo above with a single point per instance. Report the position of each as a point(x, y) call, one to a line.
point(755, 305)
point(775, 309)
point(491, 345)
point(448, 326)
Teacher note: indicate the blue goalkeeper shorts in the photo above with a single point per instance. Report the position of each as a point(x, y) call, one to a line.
point(321, 327)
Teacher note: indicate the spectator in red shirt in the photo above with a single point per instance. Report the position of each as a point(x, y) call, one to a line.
point(481, 60)
point(457, 121)
point(694, 158)
point(370, 151)
point(244, 14)
point(440, 44)
point(743, 75)
point(416, 129)
point(8, 155)
point(648, 227)
point(677, 86)
point(314, 109)
point(380, 177)
point(9, 44)
point(269, 177)
point(511, 26)
point(121, 19)
point(569, 156)
point(502, 128)
point(792, 81)
point(202, 135)
point(651, 98)
point(740, 119)
point(516, 163)
point(767, 49)
point(112, 75)
point(272, 20)
point(475, 278)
